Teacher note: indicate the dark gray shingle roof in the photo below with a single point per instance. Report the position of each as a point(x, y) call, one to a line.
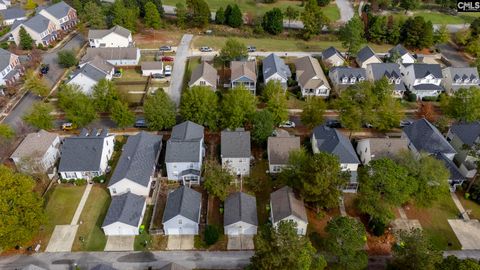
point(91, 72)
point(240, 206)
point(187, 131)
point(58, 10)
point(349, 73)
point(38, 23)
point(332, 141)
point(329, 52)
point(235, 144)
point(422, 70)
point(455, 174)
point(139, 157)
point(425, 137)
point(4, 58)
point(285, 204)
point(183, 201)
point(399, 49)
point(389, 70)
point(274, 64)
point(184, 144)
point(12, 13)
point(468, 133)
point(126, 208)
point(365, 54)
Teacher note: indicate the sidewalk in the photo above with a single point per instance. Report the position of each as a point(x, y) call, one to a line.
point(459, 205)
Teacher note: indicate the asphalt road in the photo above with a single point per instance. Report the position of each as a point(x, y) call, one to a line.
point(131, 260)
point(178, 72)
point(453, 55)
point(14, 118)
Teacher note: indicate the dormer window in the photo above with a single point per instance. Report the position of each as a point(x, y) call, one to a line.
point(390, 81)
point(475, 81)
point(344, 79)
point(458, 81)
point(361, 79)
point(466, 80)
point(398, 81)
point(353, 80)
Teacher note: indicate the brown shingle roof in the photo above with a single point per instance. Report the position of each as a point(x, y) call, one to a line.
point(285, 204)
point(205, 71)
point(244, 68)
point(149, 65)
point(279, 149)
point(309, 73)
point(35, 144)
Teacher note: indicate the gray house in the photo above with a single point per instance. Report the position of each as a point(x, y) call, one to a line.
point(463, 136)
point(236, 151)
point(286, 206)
point(182, 212)
point(455, 78)
point(424, 80)
point(367, 56)
point(135, 169)
point(10, 15)
point(390, 71)
point(124, 215)
point(244, 73)
point(343, 77)
point(331, 57)
point(240, 215)
point(278, 149)
point(274, 68)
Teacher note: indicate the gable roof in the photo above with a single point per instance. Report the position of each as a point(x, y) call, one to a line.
point(332, 141)
point(463, 73)
point(331, 51)
point(114, 53)
point(421, 70)
point(455, 174)
point(385, 147)
point(173, 266)
point(399, 49)
point(468, 133)
point(240, 206)
point(279, 149)
point(365, 53)
point(91, 72)
point(205, 71)
point(187, 131)
point(348, 72)
point(34, 144)
point(235, 144)
point(37, 23)
point(58, 10)
point(425, 137)
point(309, 73)
point(183, 201)
point(273, 64)
point(184, 144)
point(125, 208)
point(389, 70)
point(12, 13)
point(285, 204)
point(100, 33)
point(5, 57)
point(138, 159)
point(247, 69)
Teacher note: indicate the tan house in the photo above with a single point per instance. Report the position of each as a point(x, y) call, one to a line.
point(244, 73)
point(40, 28)
point(331, 57)
point(279, 149)
point(310, 77)
point(204, 75)
point(367, 56)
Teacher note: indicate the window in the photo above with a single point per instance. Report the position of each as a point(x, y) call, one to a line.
point(179, 221)
point(353, 80)
point(361, 79)
point(202, 83)
point(70, 175)
point(114, 190)
point(344, 79)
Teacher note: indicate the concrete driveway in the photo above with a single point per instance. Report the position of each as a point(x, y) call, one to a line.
point(467, 232)
point(241, 242)
point(178, 72)
point(62, 238)
point(180, 242)
point(346, 10)
point(120, 243)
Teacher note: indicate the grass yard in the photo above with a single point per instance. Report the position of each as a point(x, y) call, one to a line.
point(441, 18)
point(332, 12)
point(132, 92)
point(131, 74)
point(92, 217)
point(469, 205)
point(192, 63)
point(145, 241)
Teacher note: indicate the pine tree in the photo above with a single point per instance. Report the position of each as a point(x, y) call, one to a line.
point(26, 41)
point(152, 17)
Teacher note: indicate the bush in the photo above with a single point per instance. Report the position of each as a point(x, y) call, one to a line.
point(430, 98)
point(211, 235)
point(99, 179)
point(66, 59)
point(80, 182)
point(40, 46)
point(377, 227)
point(475, 192)
point(4, 45)
point(412, 97)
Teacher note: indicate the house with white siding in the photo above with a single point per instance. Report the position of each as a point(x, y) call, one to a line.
point(63, 16)
point(4, 4)
point(274, 68)
point(116, 56)
point(343, 77)
point(389, 71)
point(10, 68)
point(182, 212)
point(91, 73)
point(331, 57)
point(236, 151)
point(42, 30)
point(125, 215)
point(367, 56)
point(10, 15)
point(116, 36)
point(244, 73)
point(285, 205)
point(310, 77)
point(464, 137)
point(455, 78)
point(240, 215)
point(424, 80)
point(402, 55)
point(204, 75)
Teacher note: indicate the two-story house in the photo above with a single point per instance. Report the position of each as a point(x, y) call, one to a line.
point(117, 56)
point(274, 68)
point(89, 74)
point(41, 29)
point(401, 55)
point(204, 75)
point(10, 68)
point(4, 4)
point(86, 156)
point(10, 15)
point(390, 71)
point(244, 73)
point(330, 140)
point(343, 77)
point(424, 80)
point(61, 14)
point(310, 77)
point(331, 57)
point(455, 78)
point(185, 152)
point(464, 137)
point(235, 151)
point(116, 36)
point(367, 56)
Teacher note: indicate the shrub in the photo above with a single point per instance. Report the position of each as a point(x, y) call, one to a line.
point(40, 46)
point(80, 182)
point(4, 45)
point(377, 227)
point(66, 59)
point(412, 97)
point(99, 179)
point(211, 235)
point(475, 192)
point(430, 98)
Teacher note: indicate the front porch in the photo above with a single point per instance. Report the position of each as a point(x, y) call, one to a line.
point(190, 177)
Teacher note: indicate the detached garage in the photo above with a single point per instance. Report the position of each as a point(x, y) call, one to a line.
point(240, 215)
point(124, 215)
point(152, 67)
point(182, 212)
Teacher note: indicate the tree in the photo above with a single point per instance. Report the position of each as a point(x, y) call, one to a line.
point(199, 12)
point(21, 209)
point(426, 111)
point(442, 35)
point(233, 50)
point(159, 111)
point(414, 251)
point(36, 84)
point(394, 31)
point(475, 27)
point(220, 16)
point(200, 105)
point(273, 21)
point(384, 185)
point(238, 107)
point(40, 116)
point(123, 15)
point(377, 32)
point(416, 33)
point(323, 3)
point(463, 105)
point(78, 107)
point(409, 4)
point(282, 248)
point(217, 180)
point(104, 95)
point(152, 16)
point(67, 59)
point(313, 19)
point(318, 178)
point(6, 132)
point(351, 35)
point(26, 41)
point(122, 115)
point(346, 242)
point(234, 17)
point(263, 125)
point(30, 5)
point(453, 263)
point(94, 15)
point(313, 110)
point(276, 101)
point(473, 46)
point(291, 14)
point(181, 12)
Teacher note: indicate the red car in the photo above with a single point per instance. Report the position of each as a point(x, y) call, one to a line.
point(167, 59)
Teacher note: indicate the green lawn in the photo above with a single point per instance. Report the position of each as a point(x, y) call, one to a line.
point(332, 12)
point(133, 93)
point(469, 205)
point(192, 63)
point(441, 18)
point(261, 184)
point(131, 75)
point(92, 217)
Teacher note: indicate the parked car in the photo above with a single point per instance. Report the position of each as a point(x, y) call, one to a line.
point(140, 123)
point(167, 59)
point(158, 76)
point(168, 70)
point(117, 73)
point(251, 49)
point(333, 123)
point(44, 68)
point(287, 124)
point(67, 126)
point(206, 49)
point(166, 48)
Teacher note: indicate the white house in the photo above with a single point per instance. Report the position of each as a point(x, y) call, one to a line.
point(390, 71)
point(343, 77)
point(310, 77)
point(376, 148)
point(464, 136)
point(330, 140)
point(367, 56)
point(85, 156)
point(38, 152)
point(41, 29)
point(424, 80)
point(244, 73)
point(124, 215)
point(185, 152)
point(402, 55)
point(150, 68)
point(455, 78)
point(182, 212)
point(116, 36)
point(274, 68)
point(278, 149)
point(331, 57)
point(4, 4)
point(61, 14)
point(136, 167)
point(240, 215)
point(10, 15)
point(10, 68)
point(236, 152)
point(285, 206)
point(117, 56)
point(90, 73)
point(204, 75)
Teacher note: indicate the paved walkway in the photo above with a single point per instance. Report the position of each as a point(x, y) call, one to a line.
point(341, 205)
point(459, 205)
point(178, 72)
point(120, 243)
point(404, 223)
point(81, 204)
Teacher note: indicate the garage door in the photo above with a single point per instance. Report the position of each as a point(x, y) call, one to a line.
point(172, 231)
point(235, 230)
point(187, 231)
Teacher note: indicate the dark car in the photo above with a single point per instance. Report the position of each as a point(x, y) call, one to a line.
point(165, 48)
point(44, 68)
point(140, 123)
point(332, 123)
point(158, 76)
point(167, 59)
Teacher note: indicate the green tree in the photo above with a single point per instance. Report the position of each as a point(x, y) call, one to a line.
point(67, 58)
point(199, 12)
point(417, 33)
point(36, 84)
point(313, 111)
point(30, 5)
point(463, 105)
point(26, 41)
point(233, 50)
point(217, 180)
point(104, 95)
point(220, 16)
point(394, 31)
point(94, 15)
point(200, 104)
point(346, 243)
point(234, 17)
point(414, 251)
point(6, 132)
point(238, 107)
point(21, 209)
point(352, 35)
point(323, 3)
point(124, 16)
point(121, 114)
point(409, 4)
point(475, 27)
point(152, 16)
point(377, 32)
point(181, 12)
point(442, 35)
point(453, 263)
point(473, 46)
point(291, 14)
point(263, 124)
point(313, 19)
point(78, 107)
point(282, 248)
point(40, 116)
point(159, 110)
point(276, 101)
point(318, 177)
point(273, 21)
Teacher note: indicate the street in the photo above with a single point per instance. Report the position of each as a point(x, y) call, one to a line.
point(14, 118)
point(453, 55)
point(178, 72)
point(346, 10)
